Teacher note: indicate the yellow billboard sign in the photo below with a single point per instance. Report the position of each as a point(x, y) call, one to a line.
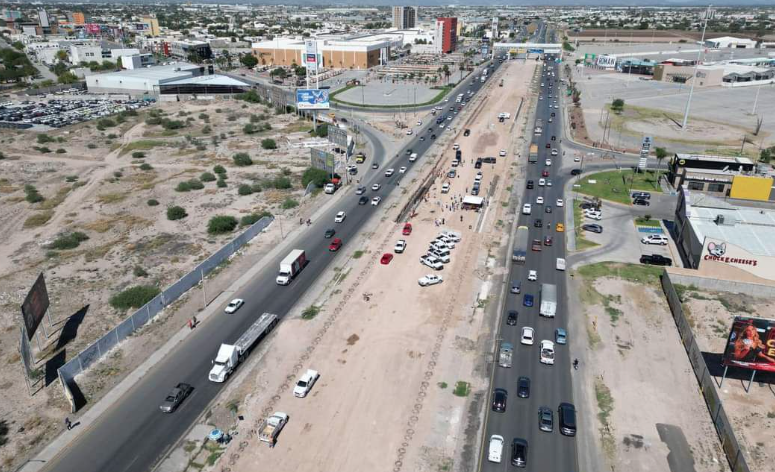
point(751, 188)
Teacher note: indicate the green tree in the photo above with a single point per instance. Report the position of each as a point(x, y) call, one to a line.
point(249, 61)
point(242, 159)
point(766, 154)
point(221, 224)
point(617, 105)
point(279, 72)
point(176, 213)
point(61, 55)
point(18, 45)
point(67, 78)
point(318, 176)
point(268, 143)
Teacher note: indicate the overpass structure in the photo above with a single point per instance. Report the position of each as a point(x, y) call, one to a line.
point(527, 48)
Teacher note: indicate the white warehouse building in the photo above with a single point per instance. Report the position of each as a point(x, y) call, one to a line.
point(725, 42)
point(143, 81)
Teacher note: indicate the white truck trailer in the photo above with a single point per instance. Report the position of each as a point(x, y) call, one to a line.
point(230, 355)
point(548, 300)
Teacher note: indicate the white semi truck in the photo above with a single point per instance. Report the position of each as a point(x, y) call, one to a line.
point(548, 300)
point(230, 355)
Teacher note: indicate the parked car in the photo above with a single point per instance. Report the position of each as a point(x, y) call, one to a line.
point(641, 202)
point(430, 279)
point(659, 239)
point(641, 195)
point(400, 246)
point(386, 258)
point(656, 259)
point(592, 228)
point(431, 262)
point(407, 229)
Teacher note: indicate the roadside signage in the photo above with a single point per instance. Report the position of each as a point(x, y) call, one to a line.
point(312, 99)
point(321, 159)
point(338, 136)
point(642, 163)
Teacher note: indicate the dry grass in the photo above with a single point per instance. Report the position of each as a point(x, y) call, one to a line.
point(110, 198)
point(38, 219)
point(128, 221)
point(56, 200)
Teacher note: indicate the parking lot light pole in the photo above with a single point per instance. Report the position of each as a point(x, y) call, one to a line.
point(696, 66)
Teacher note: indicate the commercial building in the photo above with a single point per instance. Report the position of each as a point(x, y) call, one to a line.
point(152, 26)
point(710, 174)
point(730, 42)
point(176, 78)
point(725, 241)
point(714, 75)
point(10, 15)
point(187, 49)
point(99, 52)
point(43, 19)
point(404, 17)
point(446, 35)
point(137, 61)
point(352, 52)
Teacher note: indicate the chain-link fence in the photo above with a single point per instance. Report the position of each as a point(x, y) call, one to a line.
point(707, 385)
point(138, 319)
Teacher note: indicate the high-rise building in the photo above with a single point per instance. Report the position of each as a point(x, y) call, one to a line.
point(78, 18)
point(404, 17)
point(446, 35)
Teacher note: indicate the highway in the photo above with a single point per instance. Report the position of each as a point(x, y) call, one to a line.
point(550, 385)
point(133, 435)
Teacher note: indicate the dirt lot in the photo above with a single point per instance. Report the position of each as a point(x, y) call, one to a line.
point(101, 187)
point(645, 393)
point(752, 413)
point(402, 374)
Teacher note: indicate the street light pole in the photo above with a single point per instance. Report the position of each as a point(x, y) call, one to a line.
point(696, 66)
point(756, 100)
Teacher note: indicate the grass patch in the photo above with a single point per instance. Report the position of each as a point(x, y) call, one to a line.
point(462, 389)
point(357, 254)
point(605, 405)
point(582, 243)
point(615, 185)
point(38, 219)
point(134, 297)
point(69, 241)
point(439, 96)
point(56, 200)
point(142, 145)
point(310, 312)
point(635, 273)
point(110, 198)
point(650, 223)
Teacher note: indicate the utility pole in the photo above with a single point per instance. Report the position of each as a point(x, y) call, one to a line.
point(696, 66)
point(756, 100)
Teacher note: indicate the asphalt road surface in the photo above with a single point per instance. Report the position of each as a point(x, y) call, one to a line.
point(550, 385)
point(133, 435)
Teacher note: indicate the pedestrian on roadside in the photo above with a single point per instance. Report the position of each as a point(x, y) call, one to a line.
point(68, 424)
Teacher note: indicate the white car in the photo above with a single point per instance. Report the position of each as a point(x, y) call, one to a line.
point(548, 182)
point(548, 162)
point(413, 157)
point(402, 170)
point(409, 132)
point(547, 352)
point(594, 215)
point(495, 449)
point(305, 383)
point(453, 235)
point(577, 159)
point(430, 279)
point(655, 239)
point(532, 275)
point(560, 202)
point(441, 125)
point(431, 262)
point(557, 107)
point(455, 147)
point(376, 187)
point(527, 336)
point(502, 153)
point(440, 254)
point(419, 122)
point(400, 246)
point(340, 217)
point(389, 172)
point(375, 201)
point(450, 243)
point(234, 305)
point(554, 152)
point(541, 182)
point(539, 200)
point(527, 209)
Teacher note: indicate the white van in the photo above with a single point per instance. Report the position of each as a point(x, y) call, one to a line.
point(445, 188)
point(413, 157)
point(495, 451)
point(560, 263)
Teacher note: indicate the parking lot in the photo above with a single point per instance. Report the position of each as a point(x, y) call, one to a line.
point(56, 113)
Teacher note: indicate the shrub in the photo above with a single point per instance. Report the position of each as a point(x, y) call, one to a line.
point(71, 178)
point(68, 241)
point(2, 156)
point(282, 183)
point(176, 213)
point(106, 123)
point(207, 177)
point(268, 143)
point(112, 136)
point(183, 187)
point(32, 194)
point(140, 272)
point(204, 116)
point(231, 118)
point(318, 176)
point(249, 128)
point(145, 166)
point(221, 224)
point(207, 130)
point(219, 169)
point(60, 151)
point(221, 183)
point(289, 203)
point(152, 202)
point(196, 184)
point(134, 297)
point(44, 138)
point(153, 121)
point(172, 124)
point(253, 218)
point(244, 189)
point(242, 159)
point(266, 127)
point(256, 187)
point(254, 119)
point(118, 174)
point(138, 154)
point(91, 146)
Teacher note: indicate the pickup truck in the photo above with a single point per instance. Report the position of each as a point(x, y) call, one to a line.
point(270, 428)
point(305, 383)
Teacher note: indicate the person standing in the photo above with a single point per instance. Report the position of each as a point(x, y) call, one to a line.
point(68, 424)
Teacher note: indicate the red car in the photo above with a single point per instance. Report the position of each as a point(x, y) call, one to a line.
point(407, 229)
point(335, 245)
point(548, 145)
point(545, 173)
point(386, 258)
point(548, 241)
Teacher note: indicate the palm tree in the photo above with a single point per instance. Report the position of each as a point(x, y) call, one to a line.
point(461, 68)
point(446, 72)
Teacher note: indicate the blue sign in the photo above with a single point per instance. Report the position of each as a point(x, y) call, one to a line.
point(535, 51)
point(312, 99)
point(650, 229)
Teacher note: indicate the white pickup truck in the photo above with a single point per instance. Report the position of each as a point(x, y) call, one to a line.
point(305, 383)
point(270, 428)
point(495, 451)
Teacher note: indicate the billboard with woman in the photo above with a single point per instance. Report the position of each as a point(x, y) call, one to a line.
point(751, 344)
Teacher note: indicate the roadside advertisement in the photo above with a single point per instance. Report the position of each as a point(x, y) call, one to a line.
point(751, 344)
point(92, 28)
point(311, 54)
point(312, 99)
point(606, 62)
point(719, 252)
point(35, 305)
point(321, 159)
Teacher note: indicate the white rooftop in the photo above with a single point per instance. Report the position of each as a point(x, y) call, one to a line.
point(214, 79)
point(171, 71)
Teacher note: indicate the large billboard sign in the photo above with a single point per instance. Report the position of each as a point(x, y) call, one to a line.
point(35, 306)
point(606, 61)
point(337, 136)
point(751, 344)
point(312, 99)
point(321, 159)
point(724, 255)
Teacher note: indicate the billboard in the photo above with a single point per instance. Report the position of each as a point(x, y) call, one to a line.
point(337, 136)
point(722, 256)
point(321, 159)
point(92, 28)
point(311, 54)
point(312, 99)
point(606, 61)
point(751, 344)
point(35, 306)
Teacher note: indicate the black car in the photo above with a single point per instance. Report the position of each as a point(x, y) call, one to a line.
point(422, 138)
point(501, 119)
point(176, 397)
point(575, 172)
point(552, 114)
point(478, 163)
point(330, 232)
point(458, 154)
point(641, 195)
point(566, 415)
point(640, 201)
point(588, 206)
point(433, 136)
point(408, 152)
point(511, 319)
point(593, 228)
point(467, 132)
point(363, 200)
point(548, 209)
point(554, 138)
point(519, 453)
point(475, 191)
point(523, 387)
point(489, 160)
point(539, 223)
point(499, 397)
point(656, 259)
point(530, 184)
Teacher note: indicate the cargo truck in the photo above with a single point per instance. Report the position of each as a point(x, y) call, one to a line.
point(539, 127)
point(533, 155)
point(520, 245)
point(230, 355)
point(504, 356)
point(291, 266)
point(548, 300)
point(270, 428)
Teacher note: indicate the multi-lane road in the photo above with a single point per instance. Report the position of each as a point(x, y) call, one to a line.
point(133, 435)
point(550, 385)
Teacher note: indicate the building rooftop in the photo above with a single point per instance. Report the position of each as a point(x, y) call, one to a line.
point(171, 71)
point(215, 79)
point(704, 157)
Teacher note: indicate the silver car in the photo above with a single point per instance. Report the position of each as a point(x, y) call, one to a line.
point(545, 419)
